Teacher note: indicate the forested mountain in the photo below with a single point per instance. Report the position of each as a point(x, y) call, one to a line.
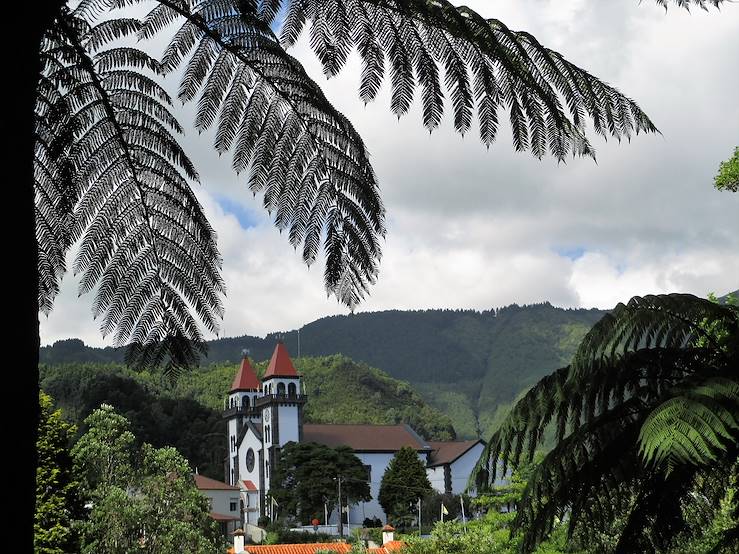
point(187, 414)
point(471, 365)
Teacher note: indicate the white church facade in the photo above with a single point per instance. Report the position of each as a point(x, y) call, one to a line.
point(263, 416)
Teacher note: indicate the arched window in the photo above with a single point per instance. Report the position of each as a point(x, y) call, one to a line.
point(231, 402)
point(245, 402)
point(267, 438)
point(281, 388)
point(291, 389)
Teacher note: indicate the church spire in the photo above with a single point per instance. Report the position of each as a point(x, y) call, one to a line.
point(246, 379)
point(280, 365)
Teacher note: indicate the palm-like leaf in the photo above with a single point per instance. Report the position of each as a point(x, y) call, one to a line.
point(485, 65)
point(687, 4)
point(146, 248)
point(648, 404)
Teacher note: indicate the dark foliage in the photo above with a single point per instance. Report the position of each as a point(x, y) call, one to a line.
point(159, 419)
point(467, 364)
point(648, 410)
point(306, 477)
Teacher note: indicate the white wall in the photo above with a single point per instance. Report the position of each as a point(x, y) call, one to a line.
point(220, 501)
point(250, 441)
point(288, 424)
point(436, 477)
point(463, 466)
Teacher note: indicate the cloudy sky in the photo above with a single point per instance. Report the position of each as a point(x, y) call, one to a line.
point(476, 228)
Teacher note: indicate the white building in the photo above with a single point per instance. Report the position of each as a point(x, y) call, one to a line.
point(264, 416)
point(224, 501)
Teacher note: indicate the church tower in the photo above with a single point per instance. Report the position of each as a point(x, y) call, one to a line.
point(240, 408)
point(282, 408)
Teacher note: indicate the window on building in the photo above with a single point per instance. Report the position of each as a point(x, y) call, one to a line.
point(291, 389)
point(368, 470)
point(267, 437)
point(245, 402)
point(233, 504)
point(281, 388)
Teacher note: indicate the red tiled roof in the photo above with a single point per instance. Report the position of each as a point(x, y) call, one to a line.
point(280, 365)
point(223, 517)
point(207, 484)
point(448, 451)
point(249, 485)
point(310, 548)
point(379, 438)
point(392, 546)
point(245, 378)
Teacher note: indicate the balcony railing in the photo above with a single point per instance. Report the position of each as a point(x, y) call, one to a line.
point(267, 398)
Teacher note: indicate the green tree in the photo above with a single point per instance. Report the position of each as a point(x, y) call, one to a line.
point(491, 532)
point(306, 477)
point(404, 482)
point(57, 502)
point(727, 177)
point(100, 162)
point(141, 501)
point(645, 416)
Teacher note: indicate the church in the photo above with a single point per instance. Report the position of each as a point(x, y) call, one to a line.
point(262, 416)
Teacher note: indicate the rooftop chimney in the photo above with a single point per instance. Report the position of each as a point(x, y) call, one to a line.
point(388, 534)
point(238, 541)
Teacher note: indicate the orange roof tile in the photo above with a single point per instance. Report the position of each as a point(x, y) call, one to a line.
point(246, 378)
point(310, 548)
point(280, 365)
point(364, 438)
point(207, 484)
point(249, 485)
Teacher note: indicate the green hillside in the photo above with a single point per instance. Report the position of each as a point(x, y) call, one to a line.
point(187, 414)
point(471, 365)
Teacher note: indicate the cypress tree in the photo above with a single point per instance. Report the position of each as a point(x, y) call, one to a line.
point(403, 483)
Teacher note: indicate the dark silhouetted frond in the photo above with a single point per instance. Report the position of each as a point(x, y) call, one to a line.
point(687, 4)
point(650, 401)
point(303, 155)
point(147, 251)
point(485, 66)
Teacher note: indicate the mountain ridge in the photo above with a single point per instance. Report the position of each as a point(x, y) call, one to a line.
point(470, 364)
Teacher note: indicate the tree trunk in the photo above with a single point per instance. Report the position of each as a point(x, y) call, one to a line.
point(26, 24)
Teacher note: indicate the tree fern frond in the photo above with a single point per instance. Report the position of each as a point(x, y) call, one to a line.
point(687, 4)
point(650, 401)
point(509, 68)
point(146, 248)
point(672, 320)
point(305, 156)
point(694, 426)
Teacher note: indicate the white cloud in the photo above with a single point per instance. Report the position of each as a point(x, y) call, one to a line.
point(468, 227)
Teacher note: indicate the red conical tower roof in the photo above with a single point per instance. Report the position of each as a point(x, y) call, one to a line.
point(245, 378)
point(280, 365)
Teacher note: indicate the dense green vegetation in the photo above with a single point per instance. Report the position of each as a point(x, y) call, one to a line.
point(403, 483)
point(305, 478)
point(57, 498)
point(470, 365)
point(187, 414)
point(646, 452)
point(142, 499)
point(727, 177)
